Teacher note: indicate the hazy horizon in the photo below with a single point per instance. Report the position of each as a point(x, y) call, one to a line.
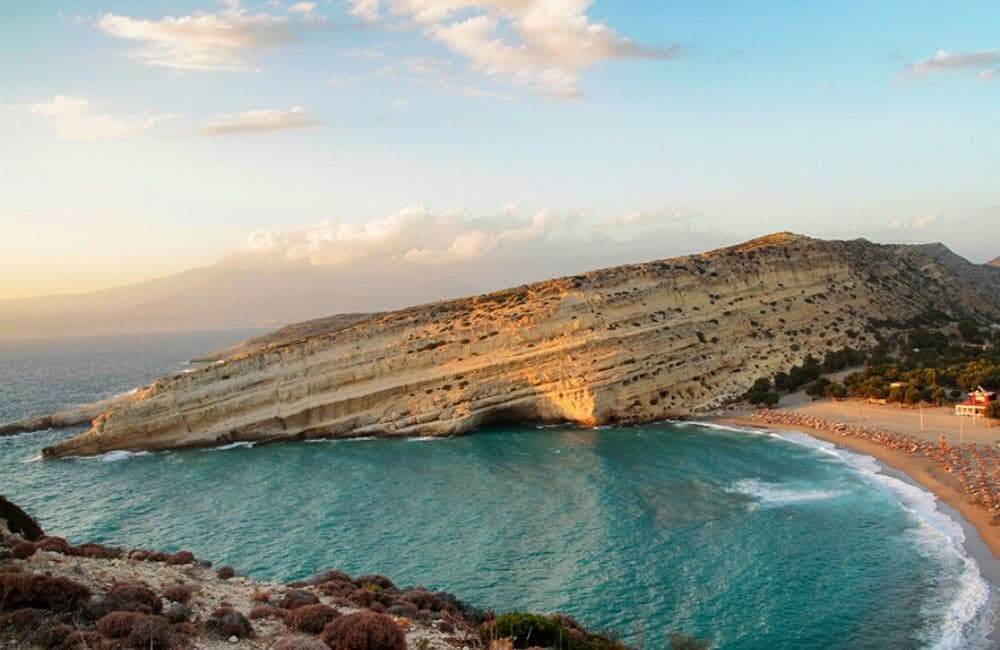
point(409, 138)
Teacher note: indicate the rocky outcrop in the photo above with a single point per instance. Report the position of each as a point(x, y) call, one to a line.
point(995, 262)
point(626, 344)
point(66, 418)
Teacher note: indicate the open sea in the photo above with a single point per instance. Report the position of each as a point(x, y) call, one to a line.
point(751, 540)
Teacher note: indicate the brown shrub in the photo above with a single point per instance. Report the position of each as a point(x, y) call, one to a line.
point(84, 640)
point(138, 630)
point(435, 601)
point(298, 598)
point(23, 550)
point(374, 579)
point(50, 635)
point(21, 620)
point(362, 597)
point(312, 618)
point(363, 631)
point(327, 576)
point(336, 588)
point(19, 590)
point(182, 557)
point(55, 545)
point(264, 611)
point(18, 521)
point(260, 596)
point(178, 593)
point(226, 622)
point(132, 598)
point(98, 551)
point(226, 572)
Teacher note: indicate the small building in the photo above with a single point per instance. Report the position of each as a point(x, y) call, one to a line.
point(976, 404)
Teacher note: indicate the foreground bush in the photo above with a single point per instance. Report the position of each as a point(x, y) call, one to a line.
point(297, 598)
point(363, 631)
point(227, 622)
point(312, 618)
point(534, 630)
point(131, 598)
point(19, 590)
point(18, 521)
point(138, 630)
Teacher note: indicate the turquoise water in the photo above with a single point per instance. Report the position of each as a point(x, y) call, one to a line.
point(751, 539)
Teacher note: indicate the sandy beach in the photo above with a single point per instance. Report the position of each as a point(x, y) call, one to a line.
point(927, 471)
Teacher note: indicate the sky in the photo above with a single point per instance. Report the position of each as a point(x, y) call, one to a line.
point(143, 139)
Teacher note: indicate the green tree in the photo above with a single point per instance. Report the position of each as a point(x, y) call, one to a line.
point(993, 410)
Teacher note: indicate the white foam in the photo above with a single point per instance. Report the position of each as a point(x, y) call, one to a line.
point(423, 438)
point(233, 445)
point(967, 619)
point(777, 495)
point(340, 439)
point(121, 454)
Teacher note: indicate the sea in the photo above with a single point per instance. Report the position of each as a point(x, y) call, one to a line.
point(745, 538)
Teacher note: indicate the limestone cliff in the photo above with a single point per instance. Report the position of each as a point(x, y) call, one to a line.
point(626, 344)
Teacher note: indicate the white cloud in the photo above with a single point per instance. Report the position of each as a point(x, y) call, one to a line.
point(412, 235)
point(260, 121)
point(202, 41)
point(920, 223)
point(636, 218)
point(76, 118)
point(987, 62)
point(543, 45)
point(302, 7)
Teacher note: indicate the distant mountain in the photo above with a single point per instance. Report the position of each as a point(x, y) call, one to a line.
point(242, 291)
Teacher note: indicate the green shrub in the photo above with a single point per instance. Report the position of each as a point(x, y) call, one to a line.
point(993, 410)
point(533, 630)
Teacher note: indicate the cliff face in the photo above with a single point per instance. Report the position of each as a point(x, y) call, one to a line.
point(625, 344)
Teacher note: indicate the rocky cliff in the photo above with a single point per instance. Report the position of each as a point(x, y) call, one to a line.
point(626, 344)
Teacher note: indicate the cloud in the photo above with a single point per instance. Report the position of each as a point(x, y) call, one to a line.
point(260, 121)
point(636, 218)
point(78, 119)
point(986, 62)
point(542, 45)
point(202, 41)
point(412, 235)
point(920, 223)
point(302, 8)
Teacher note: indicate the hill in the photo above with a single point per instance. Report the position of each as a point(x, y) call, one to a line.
point(624, 344)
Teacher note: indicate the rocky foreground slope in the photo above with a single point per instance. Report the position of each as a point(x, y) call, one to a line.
point(626, 344)
point(59, 596)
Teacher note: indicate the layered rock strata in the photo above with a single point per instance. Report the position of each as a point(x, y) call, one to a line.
point(628, 344)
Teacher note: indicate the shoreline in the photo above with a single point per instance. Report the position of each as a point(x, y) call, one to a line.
point(920, 470)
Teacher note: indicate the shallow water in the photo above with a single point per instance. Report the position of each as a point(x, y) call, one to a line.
point(752, 540)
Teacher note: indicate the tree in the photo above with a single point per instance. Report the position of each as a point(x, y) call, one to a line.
point(969, 329)
point(993, 410)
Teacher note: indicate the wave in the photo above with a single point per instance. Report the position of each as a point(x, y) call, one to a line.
point(777, 494)
point(967, 617)
point(120, 454)
point(233, 445)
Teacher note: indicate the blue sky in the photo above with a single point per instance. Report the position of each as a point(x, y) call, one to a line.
point(134, 146)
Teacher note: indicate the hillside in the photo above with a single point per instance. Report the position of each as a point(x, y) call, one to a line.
point(994, 262)
point(624, 344)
